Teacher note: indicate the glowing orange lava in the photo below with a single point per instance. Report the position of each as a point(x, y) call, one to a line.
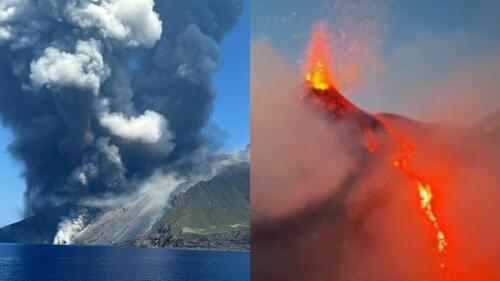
point(318, 71)
point(403, 163)
point(318, 76)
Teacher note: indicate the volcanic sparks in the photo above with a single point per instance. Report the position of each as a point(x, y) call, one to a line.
point(318, 72)
point(319, 78)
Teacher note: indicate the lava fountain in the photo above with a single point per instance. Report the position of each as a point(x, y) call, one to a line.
point(324, 90)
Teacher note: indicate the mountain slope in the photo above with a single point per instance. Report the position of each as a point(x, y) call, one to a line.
point(212, 214)
point(121, 224)
point(131, 218)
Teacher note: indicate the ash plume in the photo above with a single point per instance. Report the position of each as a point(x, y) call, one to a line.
point(100, 95)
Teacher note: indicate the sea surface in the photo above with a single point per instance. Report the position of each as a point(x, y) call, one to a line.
point(19, 262)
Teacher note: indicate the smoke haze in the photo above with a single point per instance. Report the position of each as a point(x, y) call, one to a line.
point(324, 207)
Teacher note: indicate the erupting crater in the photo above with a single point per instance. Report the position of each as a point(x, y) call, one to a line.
point(323, 90)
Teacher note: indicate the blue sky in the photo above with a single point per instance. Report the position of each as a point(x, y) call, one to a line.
point(287, 23)
point(11, 183)
point(231, 115)
point(232, 82)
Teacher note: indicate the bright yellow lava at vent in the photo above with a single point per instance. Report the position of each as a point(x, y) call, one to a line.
point(318, 73)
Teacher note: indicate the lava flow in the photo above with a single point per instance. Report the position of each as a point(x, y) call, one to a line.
point(323, 89)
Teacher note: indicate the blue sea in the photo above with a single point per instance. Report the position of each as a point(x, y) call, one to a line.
point(19, 262)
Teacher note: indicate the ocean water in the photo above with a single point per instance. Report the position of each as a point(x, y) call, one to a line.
point(20, 262)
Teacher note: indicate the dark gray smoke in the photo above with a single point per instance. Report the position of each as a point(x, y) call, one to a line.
point(100, 94)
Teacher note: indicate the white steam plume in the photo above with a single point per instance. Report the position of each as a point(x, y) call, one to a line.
point(149, 127)
point(69, 230)
point(9, 11)
point(133, 22)
point(84, 69)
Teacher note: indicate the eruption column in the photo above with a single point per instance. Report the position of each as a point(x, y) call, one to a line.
point(323, 85)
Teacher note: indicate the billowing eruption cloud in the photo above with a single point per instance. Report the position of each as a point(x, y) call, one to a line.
point(329, 203)
point(100, 95)
point(148, 127)
point(83, 69)
point(131, 22)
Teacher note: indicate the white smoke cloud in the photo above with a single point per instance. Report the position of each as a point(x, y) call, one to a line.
point(9, 11)
point(156, 188)
point(4, 34)
point(112, 152)
point(6, 11)
point(84, 69)
point(149, 127)
point(104, 163)
point(82, 178)
point(69, 230)
point(161, 186)
point(207, 166)
point(131, 21)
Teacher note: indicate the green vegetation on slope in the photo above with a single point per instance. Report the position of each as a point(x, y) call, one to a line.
point(212, 214)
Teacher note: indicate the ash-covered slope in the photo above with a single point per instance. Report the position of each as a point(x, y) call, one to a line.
point(212, 214)
point(124, 223)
